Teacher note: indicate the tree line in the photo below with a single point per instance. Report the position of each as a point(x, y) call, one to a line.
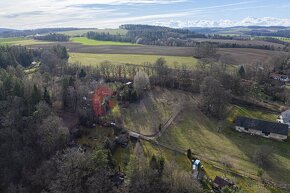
point(150, 35)
point(279, 33)
point(53, 37)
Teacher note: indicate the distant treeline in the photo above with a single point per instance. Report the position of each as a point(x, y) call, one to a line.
point(280, 33)
point(5, 33)
point(108, 37)
point(53, 37)
point(262, 47)
point(150, 35)
point(273, 40)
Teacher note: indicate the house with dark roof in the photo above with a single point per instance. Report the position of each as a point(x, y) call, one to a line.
point(262, 128)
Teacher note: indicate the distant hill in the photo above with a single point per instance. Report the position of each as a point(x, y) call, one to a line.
point(239, 30)
point(4, 33)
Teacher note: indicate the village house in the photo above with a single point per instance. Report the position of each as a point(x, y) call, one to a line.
point(280, 77)
point(262, 128)
point(285, 118)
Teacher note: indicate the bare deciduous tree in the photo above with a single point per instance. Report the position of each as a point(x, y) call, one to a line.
point(141, 82)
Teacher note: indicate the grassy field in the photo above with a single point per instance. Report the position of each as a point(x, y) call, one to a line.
point(227, 147)
point(20, 41)
point(89, 42)
point(82, 32)
point(96, 59)
point(155, 108)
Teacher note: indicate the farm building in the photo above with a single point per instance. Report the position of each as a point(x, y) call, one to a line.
point(280, 77)
point(262, 128)
point(285, 118)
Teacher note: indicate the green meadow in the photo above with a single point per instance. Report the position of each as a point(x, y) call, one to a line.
point(96, 59)
point(89, 42)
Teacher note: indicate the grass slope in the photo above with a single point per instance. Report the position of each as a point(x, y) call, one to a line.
point(219, 148)
point(96, 59)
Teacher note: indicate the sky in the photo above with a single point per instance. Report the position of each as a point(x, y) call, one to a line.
point(31, 14)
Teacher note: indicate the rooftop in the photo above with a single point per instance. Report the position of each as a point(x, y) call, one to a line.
point(261, 125)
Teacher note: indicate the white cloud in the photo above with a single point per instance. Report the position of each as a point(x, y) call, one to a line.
point(248, 21)
point(24, 14)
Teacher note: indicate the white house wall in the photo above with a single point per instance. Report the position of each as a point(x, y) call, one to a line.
point(260, 133)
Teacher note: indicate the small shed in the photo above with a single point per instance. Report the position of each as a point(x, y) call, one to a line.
point(219, 183)
point(134, 135)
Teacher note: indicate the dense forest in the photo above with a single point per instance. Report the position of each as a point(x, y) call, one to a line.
point(150, 35)
point(53, 37)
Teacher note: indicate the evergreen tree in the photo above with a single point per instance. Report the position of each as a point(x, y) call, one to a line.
point(18, 89)
point(82, 74)
point(153, 163)
point(46, 96)
point(36, 95)
point(189, 154)
point(242, 72)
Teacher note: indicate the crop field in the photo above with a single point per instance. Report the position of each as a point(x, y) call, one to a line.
point(242, 56)
point(21, 41)
point(75, 33)
point(96, 59)
point(237, 56)
point(89, 42)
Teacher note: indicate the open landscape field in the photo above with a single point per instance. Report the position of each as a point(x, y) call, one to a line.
point(96, 59)
point(242, 56)
point(20, 41)
point(90, 42)
point(238, 56)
